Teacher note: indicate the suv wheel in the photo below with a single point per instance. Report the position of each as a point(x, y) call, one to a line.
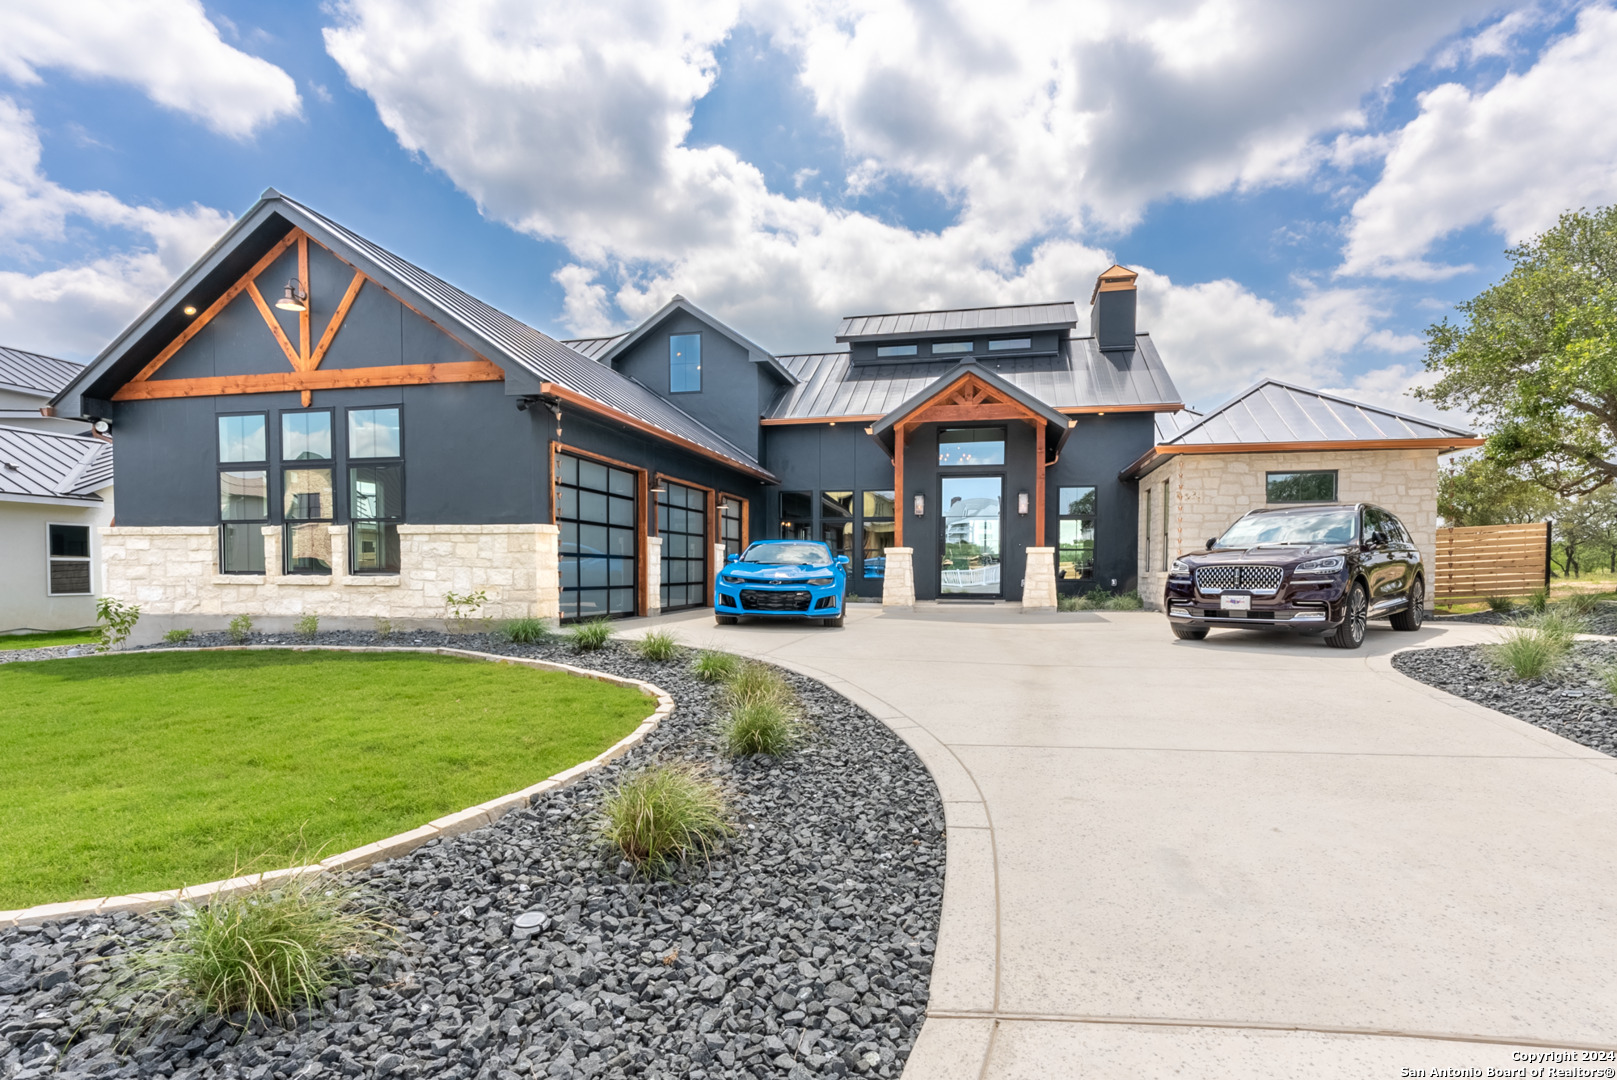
point(1412, 616)
point(1189, 633)
point(1350, 635)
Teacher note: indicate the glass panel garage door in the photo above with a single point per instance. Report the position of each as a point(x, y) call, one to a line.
point(595, 509)
point(682, 523)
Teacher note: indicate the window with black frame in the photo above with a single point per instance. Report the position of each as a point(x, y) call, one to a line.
point(876, 533)
point(1317, 485)
point(682, 523)
point(308, 496)
point(375, 490)
point(797, 515)
point(69, 547)
point(1075, 555)
point(732, 524)
point(836, 521)
point(597, 509)
point(244, 506)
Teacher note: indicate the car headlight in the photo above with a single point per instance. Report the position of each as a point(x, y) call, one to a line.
point(1180, 566)
point(822, 581)
point(1327, 565)
point(730, 579)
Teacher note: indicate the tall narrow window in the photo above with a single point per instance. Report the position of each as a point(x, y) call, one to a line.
point(69, 559)
point(1167, 510)
point(876, 533)
point(1146, 532)
point(307, 494)
point(732, 524)
point(1075, 558)
point(836, 521)
point(684, 363)
point(682, 523)
point(598, 511)
point(797, 515)
point(375, 490)
point(244, 507)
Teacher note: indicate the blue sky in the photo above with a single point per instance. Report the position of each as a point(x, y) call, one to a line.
point(1305, 188)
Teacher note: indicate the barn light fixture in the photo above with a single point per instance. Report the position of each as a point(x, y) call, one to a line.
point(293, 298)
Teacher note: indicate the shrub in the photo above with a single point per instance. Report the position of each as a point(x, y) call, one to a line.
point(177, 637)
point(1526, 653)
point(384, 628)
point(1504, 605)
point(1101, 600)
point(714, 666)
point(659, 645)
point(1581, 604)
point(592, 635)
point(525, 631)
point(117, 619)
point(753, 683)
point(463, 610)
point(1539, 599)
point(308, 626)
point(258, 952)
point(664, 814)
point(1068, 603)
point(1129, 601)
point(239, 628)
point(1560, 626)
point(761, 726)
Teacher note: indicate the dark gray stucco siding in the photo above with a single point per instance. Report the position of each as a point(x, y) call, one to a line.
point(732, 385)
point(1099, 448)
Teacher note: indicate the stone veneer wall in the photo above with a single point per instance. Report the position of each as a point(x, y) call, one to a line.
point(1207, 492)
point(173, 574)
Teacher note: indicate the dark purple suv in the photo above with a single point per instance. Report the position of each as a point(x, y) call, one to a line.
point(1324, 569)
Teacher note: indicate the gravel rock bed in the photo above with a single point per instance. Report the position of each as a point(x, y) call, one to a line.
point(1572, 701)
point(45, 652)
point(803, 949)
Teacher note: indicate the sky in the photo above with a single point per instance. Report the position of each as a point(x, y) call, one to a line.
point(1303, 187)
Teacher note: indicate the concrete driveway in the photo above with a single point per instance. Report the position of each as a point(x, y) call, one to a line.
point(1246, 856)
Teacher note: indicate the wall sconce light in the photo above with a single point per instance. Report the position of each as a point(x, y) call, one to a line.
point(920, 506)
point(293, 298)
point(1021, 503)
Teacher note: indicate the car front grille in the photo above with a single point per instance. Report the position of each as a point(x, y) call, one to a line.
point(1215, 579)
point(773, 600)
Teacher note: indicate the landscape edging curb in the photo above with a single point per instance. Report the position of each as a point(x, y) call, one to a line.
point(473, 817)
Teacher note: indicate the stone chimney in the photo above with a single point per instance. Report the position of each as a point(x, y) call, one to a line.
point(1111, 308)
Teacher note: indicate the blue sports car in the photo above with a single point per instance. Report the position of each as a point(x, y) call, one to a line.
point(783, 577)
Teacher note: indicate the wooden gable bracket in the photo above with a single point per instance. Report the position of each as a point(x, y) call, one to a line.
point(305, 375)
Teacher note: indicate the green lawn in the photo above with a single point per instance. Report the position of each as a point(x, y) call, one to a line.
point(49, 637)
point(137, 772)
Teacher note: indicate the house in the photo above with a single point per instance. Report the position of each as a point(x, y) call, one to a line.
point(55, 495)
point(1279, 444)
point(309, 424)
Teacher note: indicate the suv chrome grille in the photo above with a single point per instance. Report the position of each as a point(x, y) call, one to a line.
point(1214, 579)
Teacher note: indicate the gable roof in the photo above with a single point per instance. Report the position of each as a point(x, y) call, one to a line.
point(605, 350)
point(52, 466)
point(534, 363)
point(830, 387)
point(1275, 415)
point(1061, 315)
point(35, 374)
point(1056, 423)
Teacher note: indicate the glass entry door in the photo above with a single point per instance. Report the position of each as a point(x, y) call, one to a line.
point(971, 529)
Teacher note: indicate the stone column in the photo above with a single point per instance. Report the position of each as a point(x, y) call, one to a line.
point(273, 566)
point(547, 573)
point(898, 578)
point(1039, 582)
point(718, 568)
point(653, 575)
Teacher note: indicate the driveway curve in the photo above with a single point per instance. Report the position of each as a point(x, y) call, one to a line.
point(1248, 855)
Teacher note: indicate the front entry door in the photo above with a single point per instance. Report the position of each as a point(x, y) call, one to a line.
point(970, 563)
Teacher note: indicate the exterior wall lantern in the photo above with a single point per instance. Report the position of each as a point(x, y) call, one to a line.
point(1021, 503)
point(293, 298)
point(920, 506)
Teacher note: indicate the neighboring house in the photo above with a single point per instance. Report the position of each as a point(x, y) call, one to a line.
point(55, 493)
point(309, 424)
point(1278, 444)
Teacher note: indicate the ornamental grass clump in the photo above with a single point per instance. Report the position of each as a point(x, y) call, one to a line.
point(260, 952)
point(714, 666)
point(590, 636)
point(1581, 604)
point(1502, 605)
point(665, 814)
point(1539, 599)
point(658, 646)
point(177, 637)
point(753, 682)
point(525, 631)
point(1528, 652)
point(1560, 625)
point(759, 727)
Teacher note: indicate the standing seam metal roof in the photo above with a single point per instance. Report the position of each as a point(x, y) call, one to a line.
point(1062, 314)
point(51, 464)
point(1277, 412)
point(31, 371)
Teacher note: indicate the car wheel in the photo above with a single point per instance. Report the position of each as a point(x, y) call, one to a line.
point(725, 620)
point(1412, 616)
point(1350, 635)
point(838, 620)
point(1189, 633)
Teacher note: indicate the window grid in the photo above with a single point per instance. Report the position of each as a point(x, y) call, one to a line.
point(682, 523)
point(68, 558)
point(244, 497)
point(597, 510)
point(375, 490)
point(732, 525)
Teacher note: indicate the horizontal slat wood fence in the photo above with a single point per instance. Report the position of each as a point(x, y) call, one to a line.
point(1474, 561)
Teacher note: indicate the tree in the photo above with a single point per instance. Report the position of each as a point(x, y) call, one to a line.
point(1479, 491)
point(1536, 358)
point(1583, 525)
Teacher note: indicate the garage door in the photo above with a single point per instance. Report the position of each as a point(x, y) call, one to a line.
point(682, 523)
point(595, 509)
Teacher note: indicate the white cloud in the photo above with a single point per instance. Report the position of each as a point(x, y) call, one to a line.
point(74, 309)
point(166, 48)
point(1513, 156)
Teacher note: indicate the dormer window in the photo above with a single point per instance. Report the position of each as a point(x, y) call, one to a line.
point(940, 348)
point(684, 363)
point(897, 350)
point(1008, 344)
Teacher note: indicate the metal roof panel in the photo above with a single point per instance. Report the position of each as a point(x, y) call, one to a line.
point(45, 375)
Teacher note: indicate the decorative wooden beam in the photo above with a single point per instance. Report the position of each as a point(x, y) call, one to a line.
point(217, 306)
point(336, 322)
point(948, 414)
point(1038, 485)
point(324, 379)
point(903, 501)
point(303, 316)
point(275, 328)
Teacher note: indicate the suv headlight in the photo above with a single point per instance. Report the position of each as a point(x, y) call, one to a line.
point(1180, 566)
point(822, 581)
point(1328, 565)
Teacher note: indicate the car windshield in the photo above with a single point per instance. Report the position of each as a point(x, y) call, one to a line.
point(1334, 526)
point(786, 554)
